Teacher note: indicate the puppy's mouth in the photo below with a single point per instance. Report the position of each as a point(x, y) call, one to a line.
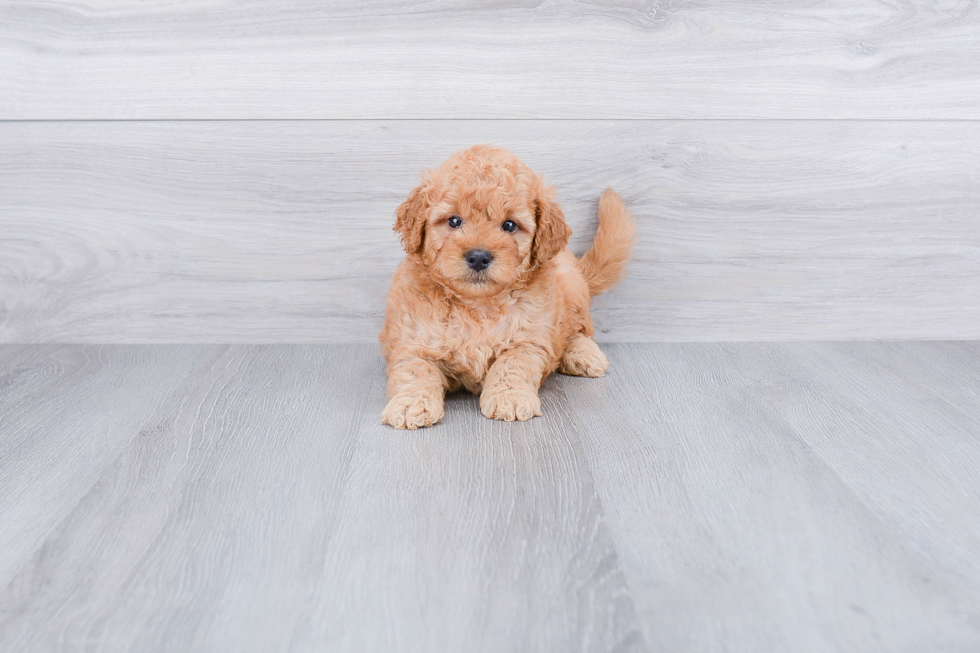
point(478, 283)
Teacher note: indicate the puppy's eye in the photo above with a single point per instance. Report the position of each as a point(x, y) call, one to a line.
point(455, 222)
point(509, 226)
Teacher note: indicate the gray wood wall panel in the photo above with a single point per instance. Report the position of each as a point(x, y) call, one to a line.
point(259, 505)
point(280, 231)
point(494, 59)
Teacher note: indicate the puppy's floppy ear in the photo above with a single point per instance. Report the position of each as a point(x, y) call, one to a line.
point(552, 232)
point(410, 220)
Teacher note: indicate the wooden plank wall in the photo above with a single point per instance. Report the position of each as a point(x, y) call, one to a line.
point(215, 172)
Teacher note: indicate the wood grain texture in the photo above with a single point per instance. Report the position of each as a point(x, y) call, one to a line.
point(258, 505)
point(490, 59)
point(281, 231)
point(66, 415)
point(712, 497)
point(921, 402)
point(806, 496)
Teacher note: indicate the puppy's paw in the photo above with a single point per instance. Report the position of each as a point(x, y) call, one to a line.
point(510, 404)
point(412, 411)
point(584, 358)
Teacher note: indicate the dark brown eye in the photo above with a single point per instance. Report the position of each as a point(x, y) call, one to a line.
point(509, 226)
point(455, 222)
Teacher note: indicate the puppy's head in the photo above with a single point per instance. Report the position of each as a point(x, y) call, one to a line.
point(482, 222)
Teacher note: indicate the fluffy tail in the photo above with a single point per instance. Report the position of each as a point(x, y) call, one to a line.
point(604, 264)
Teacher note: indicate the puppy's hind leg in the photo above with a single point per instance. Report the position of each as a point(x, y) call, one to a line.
point(417, 388)
point(583, 357)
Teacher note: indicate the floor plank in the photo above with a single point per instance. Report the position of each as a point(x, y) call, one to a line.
point(264, 508)
point(66, 415)
point(760, 500)
point(917, 467)
point(491, 59)
point(716, 497)
point(474, 535)
point(281, 231)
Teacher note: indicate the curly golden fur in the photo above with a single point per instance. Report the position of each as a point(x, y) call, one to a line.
point(499, 331)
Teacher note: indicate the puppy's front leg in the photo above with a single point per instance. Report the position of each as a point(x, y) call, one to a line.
point(510, 390)
point(417, 388)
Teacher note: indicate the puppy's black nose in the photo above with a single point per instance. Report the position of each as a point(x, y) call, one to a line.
point(479, 259)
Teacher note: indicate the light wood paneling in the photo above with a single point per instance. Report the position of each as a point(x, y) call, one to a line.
point(492, 59)
point(280, 231)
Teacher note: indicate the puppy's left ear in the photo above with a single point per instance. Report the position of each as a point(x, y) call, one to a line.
point(552, 232)
point(410, 220)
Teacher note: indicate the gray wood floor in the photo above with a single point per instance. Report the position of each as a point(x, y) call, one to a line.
point(707, 497)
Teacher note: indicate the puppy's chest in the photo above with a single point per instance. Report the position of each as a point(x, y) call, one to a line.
point(474, 339)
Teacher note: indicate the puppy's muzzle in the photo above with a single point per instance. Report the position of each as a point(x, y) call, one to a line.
point(478, 259)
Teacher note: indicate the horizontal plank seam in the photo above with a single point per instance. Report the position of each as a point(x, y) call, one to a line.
point(609, 120)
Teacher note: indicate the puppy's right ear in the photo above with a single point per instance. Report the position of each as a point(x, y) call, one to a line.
point(410, 220)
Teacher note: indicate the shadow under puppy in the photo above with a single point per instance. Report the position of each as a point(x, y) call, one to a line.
point(489, 298)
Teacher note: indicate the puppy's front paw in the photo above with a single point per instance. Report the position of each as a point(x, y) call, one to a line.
point(510, 404)
point(412, 412)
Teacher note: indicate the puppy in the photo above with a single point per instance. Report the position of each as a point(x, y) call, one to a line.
point(488, 298)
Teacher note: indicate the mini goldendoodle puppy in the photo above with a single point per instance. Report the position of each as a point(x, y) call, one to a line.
point(488, 298)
